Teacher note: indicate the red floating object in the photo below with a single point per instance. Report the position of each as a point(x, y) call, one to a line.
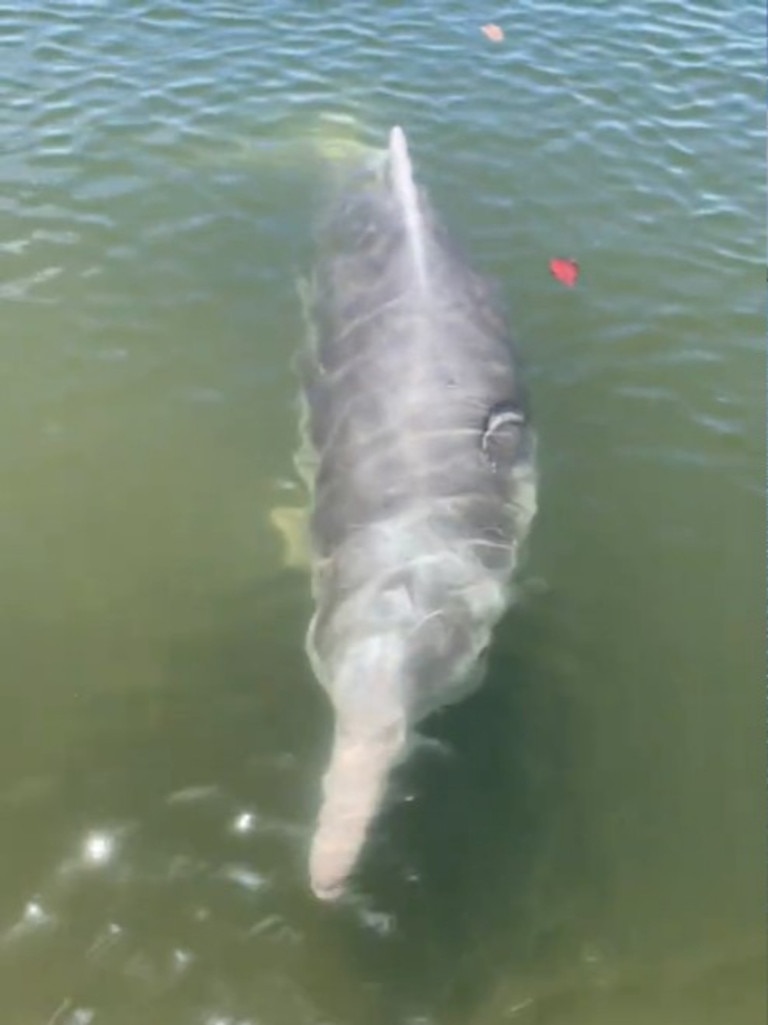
point(565, 271)
point(493, 32)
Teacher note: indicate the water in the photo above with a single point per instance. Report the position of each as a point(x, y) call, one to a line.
point(590, 849)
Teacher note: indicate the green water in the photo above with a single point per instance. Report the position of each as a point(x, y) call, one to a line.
point(590, 851)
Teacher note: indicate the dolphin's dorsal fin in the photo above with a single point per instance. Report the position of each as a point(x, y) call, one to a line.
point(407, 196)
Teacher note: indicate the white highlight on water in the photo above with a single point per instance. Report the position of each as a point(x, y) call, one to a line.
point(245, 822)
point(99, 848)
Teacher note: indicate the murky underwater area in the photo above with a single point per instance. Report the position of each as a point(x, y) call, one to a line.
point(585, 846)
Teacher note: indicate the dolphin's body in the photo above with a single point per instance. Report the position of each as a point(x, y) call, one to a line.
point(419, 454)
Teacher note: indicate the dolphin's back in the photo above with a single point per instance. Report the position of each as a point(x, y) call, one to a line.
point(421, 458)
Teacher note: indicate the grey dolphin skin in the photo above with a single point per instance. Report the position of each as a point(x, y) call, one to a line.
point(419, 454)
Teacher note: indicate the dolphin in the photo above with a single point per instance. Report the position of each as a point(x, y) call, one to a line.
point(419, 455)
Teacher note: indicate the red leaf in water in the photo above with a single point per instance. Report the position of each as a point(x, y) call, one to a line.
point(493, 32)
point(566, 271)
